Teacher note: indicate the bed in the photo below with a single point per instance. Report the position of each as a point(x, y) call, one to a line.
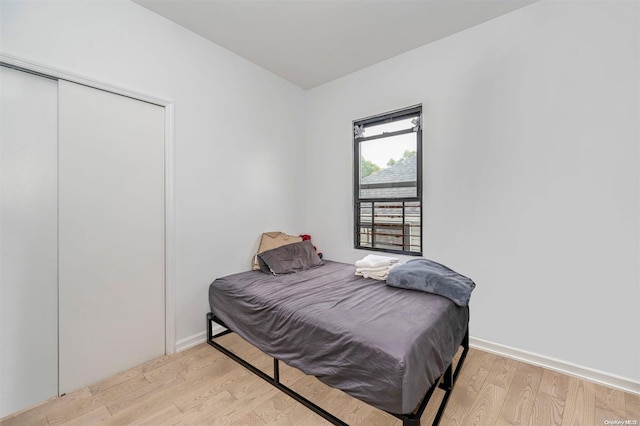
point(386, 346)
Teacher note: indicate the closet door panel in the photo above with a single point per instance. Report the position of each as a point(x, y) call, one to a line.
point(28, 240)
point(111, 201)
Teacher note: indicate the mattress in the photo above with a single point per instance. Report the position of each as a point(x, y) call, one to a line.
point(385, 346)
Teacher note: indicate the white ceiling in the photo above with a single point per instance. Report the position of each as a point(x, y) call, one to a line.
point(311, 42)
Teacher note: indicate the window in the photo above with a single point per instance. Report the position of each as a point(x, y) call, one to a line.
point(388, 182)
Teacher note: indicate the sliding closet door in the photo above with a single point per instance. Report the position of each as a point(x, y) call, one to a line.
point(28, 240)
point(111, 221)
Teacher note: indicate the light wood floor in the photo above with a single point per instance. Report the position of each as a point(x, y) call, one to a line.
point(202, 386)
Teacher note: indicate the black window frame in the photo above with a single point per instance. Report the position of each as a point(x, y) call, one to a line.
point(358, 226)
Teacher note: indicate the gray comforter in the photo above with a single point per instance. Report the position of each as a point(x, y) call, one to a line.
point(380, 344)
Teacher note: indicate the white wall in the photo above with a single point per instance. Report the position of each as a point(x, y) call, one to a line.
point(237, 127)
point(530, 169)
point(531, 158)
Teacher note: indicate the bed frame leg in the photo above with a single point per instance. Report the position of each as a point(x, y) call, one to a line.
point(411, 421)
point(447, 379)
point(276, 371)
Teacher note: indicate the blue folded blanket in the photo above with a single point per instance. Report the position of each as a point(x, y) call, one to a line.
point(432, 277)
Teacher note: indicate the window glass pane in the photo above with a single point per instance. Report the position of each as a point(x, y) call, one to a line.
point(390, 225)
point(389, 229)
point(365, 233)
point(388, 167)
point(412, 222)
point(394, 126)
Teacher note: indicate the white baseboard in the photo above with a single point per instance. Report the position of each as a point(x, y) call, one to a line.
point(196, 339)
point(600, 377)
point(191, 341)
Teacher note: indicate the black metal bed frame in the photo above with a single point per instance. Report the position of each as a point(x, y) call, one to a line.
point(445, 382)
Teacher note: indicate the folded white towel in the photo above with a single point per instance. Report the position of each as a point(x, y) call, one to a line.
point(384, 278)
point(378, 269)
point(381, 276)
point(375, 273)
point(375, 261)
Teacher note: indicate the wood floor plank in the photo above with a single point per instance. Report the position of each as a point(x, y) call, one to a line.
point(473, 374)
point(323, 399)
point(211, 365)
point(475, 370)
point(336, 403)
point(208, 412)
point(312, 389)
point(609, 405)
point(611, 400)
point(242, 389)
point(97, 415)
point(133, 372)
point(248, 419)
point(249, 353)
point(380, 418)
point(463, 400)
point(21, 420)
point(76, 404)
point(241, 347)
point(309, 387)
point(115, 392)
point(162, 416)
point(228, 411)
point(298, 414)
point(33, 415)
point(352, 411)
point(199, 391)
point(217, 367)
point(632, 404)
point(148, 407)
point(579, 404)
point(197, 357)
point(142, 396)
point(250, 401)
point(547, 410)
point(485, 407)
point(459, 403)
point(179, 387)
point(248, 387)
point(198, 347)
point(517, 407)
point(171, 370)
point(606, 417)
point(554, 384)
point(108, 395)
point(306, 420)
point(276, 410)
point(348, 409)
point(431, 411)
point(289, 375)
point(548, 406)
point(503, 372)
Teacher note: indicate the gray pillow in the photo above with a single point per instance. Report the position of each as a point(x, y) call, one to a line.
point(290, 258)
point(432, 277)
